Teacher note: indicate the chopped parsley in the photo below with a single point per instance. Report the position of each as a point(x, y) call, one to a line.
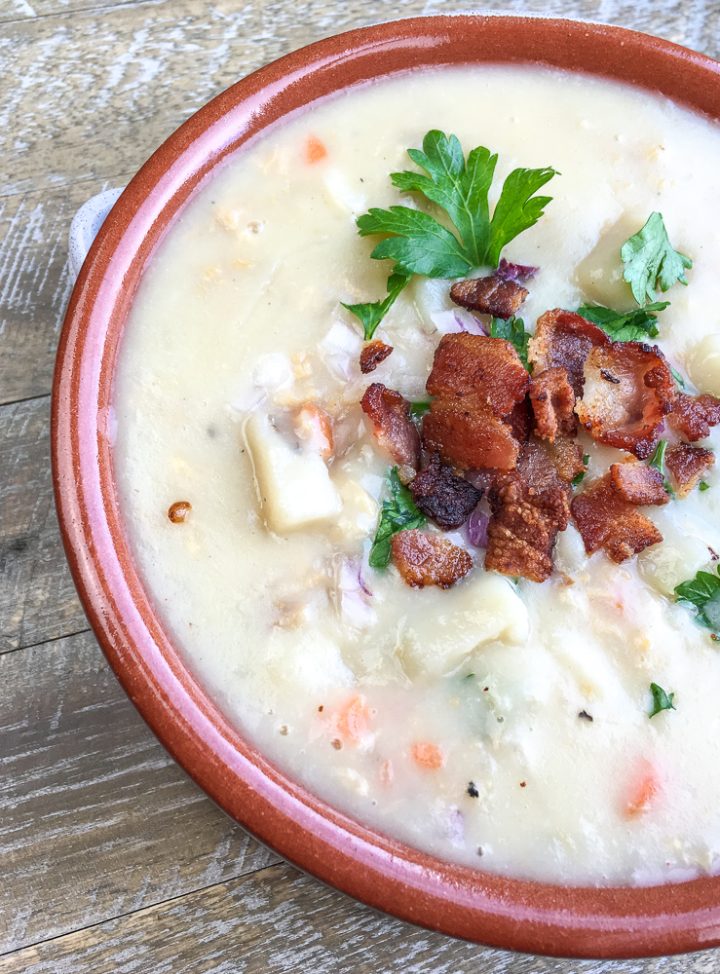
point(420, 244)
point(704, 485)
point(370, 315)
point(513, 330)
point(657, 460)
point(651, 262)
point(579, 477)
point(703, 592)
point(660, 700)
point(677, 377)
point(625, 326)
point(420, 407)
point(398, 513)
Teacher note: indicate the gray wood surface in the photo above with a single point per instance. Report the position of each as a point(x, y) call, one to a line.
point(112, 860)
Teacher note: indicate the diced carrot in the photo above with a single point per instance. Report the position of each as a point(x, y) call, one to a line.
point(315, 150)
point(353, 719)
point(643, 791)
point(313, 427)
point(427, 755)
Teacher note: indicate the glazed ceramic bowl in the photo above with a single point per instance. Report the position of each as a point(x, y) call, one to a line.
point(384, 873)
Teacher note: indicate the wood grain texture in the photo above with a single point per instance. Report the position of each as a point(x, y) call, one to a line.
point(97, 820)
point(112, 859)
point(37, 596)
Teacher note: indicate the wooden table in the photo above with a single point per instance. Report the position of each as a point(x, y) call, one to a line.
point(112, 860)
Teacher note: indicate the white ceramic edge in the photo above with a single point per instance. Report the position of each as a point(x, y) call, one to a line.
point(85, 226)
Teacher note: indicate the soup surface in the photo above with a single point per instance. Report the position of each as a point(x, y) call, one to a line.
point(501, 723)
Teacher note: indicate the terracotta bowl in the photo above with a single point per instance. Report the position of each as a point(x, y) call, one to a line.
point(386, 874)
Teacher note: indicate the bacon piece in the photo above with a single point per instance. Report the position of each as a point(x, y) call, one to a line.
point(567, 455)
point(394, 430)
point(553, 403)
point(427, 559)
point(628, 391)
point(489, 368)
point(520, 421)
point(693, 416)
point(687, 466)
point(530, 505)
point(564, 339)
point(446, 499)
point(372, 354)
point(607, 521)
point(466, 431)
point(638, 484)
point(490, 295)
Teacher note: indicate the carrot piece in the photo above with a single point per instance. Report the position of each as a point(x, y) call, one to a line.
point(353, 719)
point(644, 790)
point(315, 150)
point(313, 427)
point(427, 755)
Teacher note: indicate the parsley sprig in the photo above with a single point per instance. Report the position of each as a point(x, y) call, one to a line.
point(703, 592)
point(661, 700)
point(657, 460)
point(625, 326)
point(418, 243)
point(398, 513)
point(513, 331)
point(651, 262)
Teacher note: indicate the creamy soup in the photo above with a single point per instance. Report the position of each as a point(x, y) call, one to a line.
point(500, 723)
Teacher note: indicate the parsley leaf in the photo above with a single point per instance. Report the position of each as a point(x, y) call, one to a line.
point(650, 261)
point(660, 700)
point(370, 315)
point(704, 485)
point(420, 407)
point(677, 377)
point(657, 460)
point(513, 330)
point(625, 326)
point(703, 592)
point(420, 244)
point(579, 477)
point(398, 513)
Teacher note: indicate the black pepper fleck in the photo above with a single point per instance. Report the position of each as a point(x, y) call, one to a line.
point(336, 743)
point(609, 377)
point(585, 715)
point(523, 784)
point(472, 790)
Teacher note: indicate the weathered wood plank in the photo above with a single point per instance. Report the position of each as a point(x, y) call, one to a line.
point(97, 94)
point(97, 820)
point(37, 596)
point(278, 920)
point(29, 9)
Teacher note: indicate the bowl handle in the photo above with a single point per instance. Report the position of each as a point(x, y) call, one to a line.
point(85, 225)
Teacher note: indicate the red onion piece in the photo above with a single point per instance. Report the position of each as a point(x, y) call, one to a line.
point(515, 272)
point(454, 321)
point(476, 527)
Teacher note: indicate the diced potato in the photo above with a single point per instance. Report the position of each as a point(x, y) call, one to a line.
point(664, 566)
point(440, 633)
point(600, 275)
point(359, 514)
point(307, 661)
point(704, 365)
point(295, 488)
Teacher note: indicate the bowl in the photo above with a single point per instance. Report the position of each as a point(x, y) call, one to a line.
point(484, 907)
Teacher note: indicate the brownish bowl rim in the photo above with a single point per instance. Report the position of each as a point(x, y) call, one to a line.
point(382, 872)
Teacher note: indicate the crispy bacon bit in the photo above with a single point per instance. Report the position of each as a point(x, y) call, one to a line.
point(446, 499)
point(693, 416)
point(476, 365)
point(605, 520)
point(372, 354)
point(628, 412)
point(564, 339)
point(638, 484)
point(490, 295)
point(427, 559)
point(687, 466)
point(520, 421)
point(567, 455)
point(179, 511)
point(465, 431)
point(553, 403)
point(394, 430)
point(530, 506)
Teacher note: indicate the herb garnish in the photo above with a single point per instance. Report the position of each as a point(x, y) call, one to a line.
point(420, 244)
point(651, 262)
point(703, 592)
point(579, 477)
point(657, 460)
point(513, 330)
point(420, 407)
point(625, 326)
point(371, 314)
point(660, 700)
point(704, 485)
point(398, 513)
point(677, 377)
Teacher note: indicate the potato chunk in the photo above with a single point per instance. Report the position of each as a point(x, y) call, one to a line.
point(294, 487)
